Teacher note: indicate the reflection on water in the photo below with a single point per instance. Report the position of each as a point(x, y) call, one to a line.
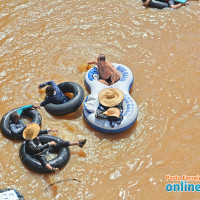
point(43, 41)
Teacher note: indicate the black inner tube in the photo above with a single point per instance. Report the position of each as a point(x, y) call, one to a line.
point(70, 106)
point(62, 158)
point(5, 122)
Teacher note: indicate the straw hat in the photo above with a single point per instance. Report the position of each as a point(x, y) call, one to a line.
point(114, 112)
point(31, 131)
point(111, 97)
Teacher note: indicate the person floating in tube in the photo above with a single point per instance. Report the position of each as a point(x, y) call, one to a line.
point(34, 147)
point(108, 75)
point(171, 3)
point(53, 94)
point(17, 126)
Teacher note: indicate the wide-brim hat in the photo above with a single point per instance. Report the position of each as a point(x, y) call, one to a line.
point(31, 131)
point(111, 97)
point(114, 112)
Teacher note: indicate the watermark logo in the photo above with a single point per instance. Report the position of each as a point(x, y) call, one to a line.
point(185, 183)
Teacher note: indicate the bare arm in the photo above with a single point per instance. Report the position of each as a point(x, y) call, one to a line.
point(92, 62)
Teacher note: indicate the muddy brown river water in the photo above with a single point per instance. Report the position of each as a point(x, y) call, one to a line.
point(54, 40)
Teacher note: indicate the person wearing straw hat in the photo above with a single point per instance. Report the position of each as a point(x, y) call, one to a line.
point(113, 115)
point(112, 112)
point(110, 97)
point(34, 147)
point(111, 100)
point(108, 75)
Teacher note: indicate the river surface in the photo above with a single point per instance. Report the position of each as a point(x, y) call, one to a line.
point(42, 40)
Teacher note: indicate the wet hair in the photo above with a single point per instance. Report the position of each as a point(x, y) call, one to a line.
point(50, 90)
point(13, 116)
point(102, 57)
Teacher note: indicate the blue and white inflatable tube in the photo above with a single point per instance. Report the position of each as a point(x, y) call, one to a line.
point(10, 194)
point(130, 109)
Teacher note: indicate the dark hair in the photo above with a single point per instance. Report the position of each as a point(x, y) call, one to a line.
point(13, 116)
point(50, 90)
point(102, 57)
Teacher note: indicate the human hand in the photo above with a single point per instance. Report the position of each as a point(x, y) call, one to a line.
point(40, 86)
point(36, 106)
point(52, 143)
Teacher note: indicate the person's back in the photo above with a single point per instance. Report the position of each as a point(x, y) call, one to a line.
point(107, 73)
point(17, 128)
point(55, 99)
point(104, 69)
point(53, 94)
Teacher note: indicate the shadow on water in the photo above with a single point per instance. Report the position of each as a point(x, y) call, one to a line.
point(111, 136)
point(53, 188)
point(117, 136)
